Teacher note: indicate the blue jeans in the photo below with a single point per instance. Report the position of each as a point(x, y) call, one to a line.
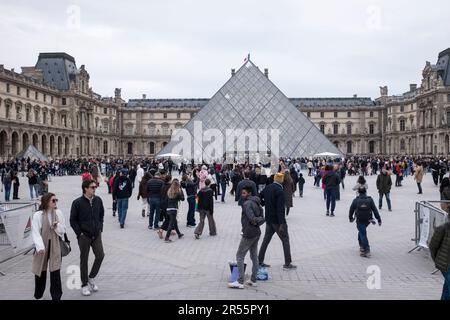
point(191, 211)
point(331, 199)
point(155, 211)
point(7, 187)
point(224, 189)
point(362, 236)
point(446, 288)
point(388, 200)
point(122, 208)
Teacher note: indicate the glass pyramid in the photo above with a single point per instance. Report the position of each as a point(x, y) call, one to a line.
point(248, 100)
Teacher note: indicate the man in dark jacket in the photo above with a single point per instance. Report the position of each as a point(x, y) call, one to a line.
point(440, 252)
point(272, 197)
point(331, 180)
point(132, 176)
point(246, 183)
point(86, 219)
point(154, 188)
point(252, 215)
point(384, 184)
point(206, 209)
point(122, 192)
point(364, 208)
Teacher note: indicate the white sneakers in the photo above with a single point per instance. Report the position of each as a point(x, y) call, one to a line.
point(235, 285)
point(85, 291)
point(251, 283)
point(91, 287)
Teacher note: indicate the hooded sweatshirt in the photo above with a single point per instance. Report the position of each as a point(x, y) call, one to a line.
point(251, 208)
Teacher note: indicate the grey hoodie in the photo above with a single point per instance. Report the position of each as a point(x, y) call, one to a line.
point(251, 208)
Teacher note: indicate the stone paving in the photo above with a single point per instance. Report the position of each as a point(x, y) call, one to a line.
point(138, 265)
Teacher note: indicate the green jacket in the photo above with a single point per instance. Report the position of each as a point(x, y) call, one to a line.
point(384, 183)
point(440, 247)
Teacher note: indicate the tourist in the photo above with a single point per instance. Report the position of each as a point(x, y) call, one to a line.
point(16, 184)
point(174, 195)
point(86, 219)
point(163, 217)
point(310, 167)
point(47, 226)
point(191, 192)
point(111, 182)
point(418, 176)
point(360, 183)
point(288, 190)
point(363, 207)
point(206, 210)
point(132, 176)
point(122, 191)
point(139, 174)
point(246, 182)
point(252, 217)
point(154, 188)
point(384, 184)
point(224, 182)
point(301, 184)
point(444, 191)
point(33, 184)
point(272, 197)
point(342, 172)
point(7, 178)
point(213, 185)
point(331, 180)
point(143, 193)
point(440, 252)
point(203, 175)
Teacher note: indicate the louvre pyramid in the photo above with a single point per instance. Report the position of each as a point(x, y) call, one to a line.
point(250, 100)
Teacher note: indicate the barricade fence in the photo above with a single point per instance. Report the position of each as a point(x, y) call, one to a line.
point(428, 216)
point(15, 229)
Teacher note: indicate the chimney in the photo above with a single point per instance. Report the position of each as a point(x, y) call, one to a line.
point(233, 72)
point(144, 96)
point(413, 87)
point(118, 94)
point(383, 91)
point(266, 73)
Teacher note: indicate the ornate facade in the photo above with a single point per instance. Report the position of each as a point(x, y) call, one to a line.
point(52, 107)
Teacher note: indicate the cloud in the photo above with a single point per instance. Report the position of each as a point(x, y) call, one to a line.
point(184, 48)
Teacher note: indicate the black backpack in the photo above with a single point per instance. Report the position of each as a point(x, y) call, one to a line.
point(363, 210)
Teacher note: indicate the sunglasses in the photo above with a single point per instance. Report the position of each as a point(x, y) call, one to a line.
point(54, 200)
point(93, 187)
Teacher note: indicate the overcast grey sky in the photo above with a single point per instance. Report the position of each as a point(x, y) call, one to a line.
point(185, 49)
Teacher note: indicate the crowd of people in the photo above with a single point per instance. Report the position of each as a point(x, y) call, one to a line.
point(264, 195)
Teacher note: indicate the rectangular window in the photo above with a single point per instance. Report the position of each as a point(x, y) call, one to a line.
point(8, 88)
point(371, 128)
point(335, 114)
point(36, 95)
point(28, 93)
point(448, 98)
point(448, 118)
point(402, 109)
point(349, 114)
point(165, 115)
point(322, 128)
point(105, 110)
point(64, 101)
point(335, 128)
point(45, 97)
point(322, 114)
point(371, 114)
point(18, 90)
point(349, 128)
point(178, 115)
point(44, 117)
point(402, 125)
point(51, 99)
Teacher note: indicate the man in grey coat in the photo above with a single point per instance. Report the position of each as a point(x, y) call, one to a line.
point(252, 217)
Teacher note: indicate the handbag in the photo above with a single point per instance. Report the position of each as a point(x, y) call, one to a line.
point(65, 245)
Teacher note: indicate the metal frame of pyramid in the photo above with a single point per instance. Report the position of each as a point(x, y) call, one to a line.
point(31, 152)
point(249, 100)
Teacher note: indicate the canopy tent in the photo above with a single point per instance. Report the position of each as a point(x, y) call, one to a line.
point(31, 152)
point(326, 154)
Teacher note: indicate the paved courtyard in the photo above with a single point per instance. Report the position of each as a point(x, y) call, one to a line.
point(138, 265)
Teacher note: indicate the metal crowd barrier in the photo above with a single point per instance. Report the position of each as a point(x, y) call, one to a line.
point(7, 250)
point(428, 216)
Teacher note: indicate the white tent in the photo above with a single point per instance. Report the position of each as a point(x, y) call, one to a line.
point(326, 154)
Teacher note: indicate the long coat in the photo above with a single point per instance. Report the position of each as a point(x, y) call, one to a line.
point(288, 190)
point(418, 175)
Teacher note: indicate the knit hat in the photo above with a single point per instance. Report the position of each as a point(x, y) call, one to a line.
point(278, 177)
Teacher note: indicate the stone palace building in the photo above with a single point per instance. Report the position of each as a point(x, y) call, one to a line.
point(52, 107)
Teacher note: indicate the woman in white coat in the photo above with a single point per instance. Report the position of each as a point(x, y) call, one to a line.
point(47, 227)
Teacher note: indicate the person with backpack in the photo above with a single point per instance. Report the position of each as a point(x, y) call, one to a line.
point(7, 177)
point(331, 181)
point(252, 218)
point(363, 207)
point(122, 191)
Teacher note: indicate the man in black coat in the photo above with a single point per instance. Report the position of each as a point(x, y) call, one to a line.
point(272, 197)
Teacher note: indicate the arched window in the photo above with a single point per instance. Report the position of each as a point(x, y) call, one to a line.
point(349, 147)
point(402, 145)
point(349, 128)
point(402, 124)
